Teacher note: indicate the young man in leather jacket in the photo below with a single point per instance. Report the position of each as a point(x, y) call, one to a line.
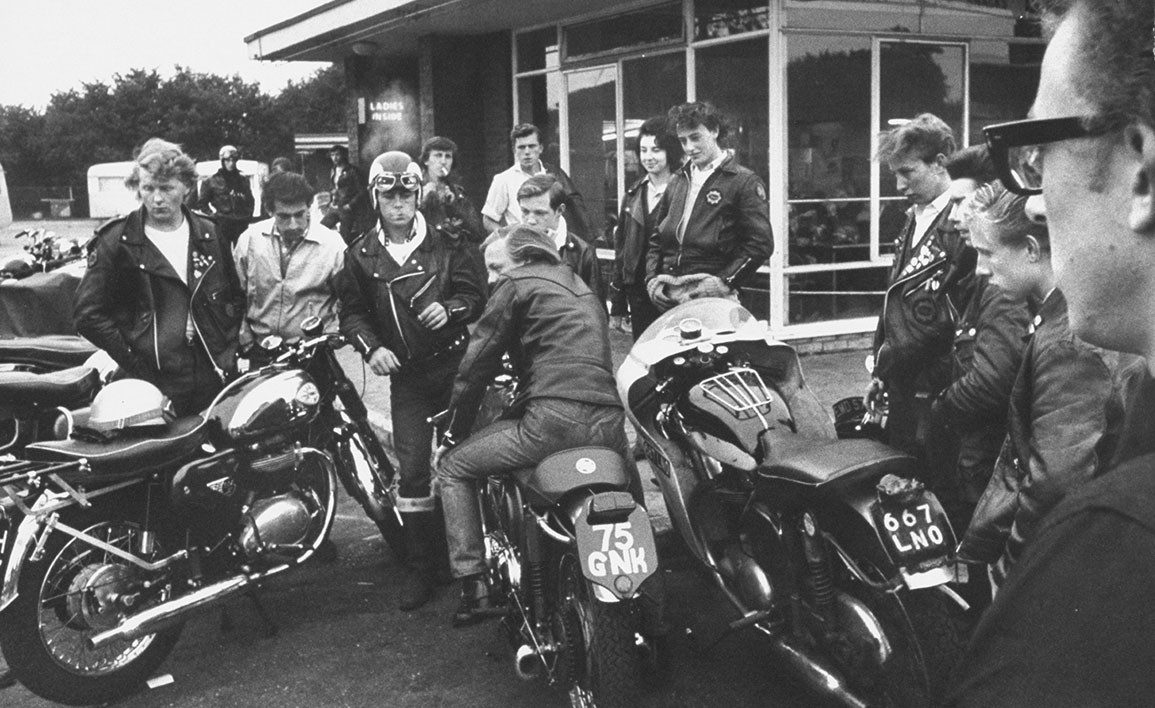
point(161, 294)
point(555, 332)
point(407, 292)
point(228, 197)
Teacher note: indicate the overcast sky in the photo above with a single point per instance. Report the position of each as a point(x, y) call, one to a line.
point(48, 46)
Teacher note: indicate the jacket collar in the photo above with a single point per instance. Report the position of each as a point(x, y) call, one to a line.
point(726, 165)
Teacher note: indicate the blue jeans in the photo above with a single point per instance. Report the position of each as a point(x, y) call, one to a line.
point(548, 426)
point(416, 392)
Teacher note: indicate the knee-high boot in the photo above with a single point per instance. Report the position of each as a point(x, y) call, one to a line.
point(421, 533)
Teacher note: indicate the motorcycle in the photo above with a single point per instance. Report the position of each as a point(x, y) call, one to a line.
point(117, 541)
point(43, 252)
point(829, 547)
point(42, 379)
point(569, 552)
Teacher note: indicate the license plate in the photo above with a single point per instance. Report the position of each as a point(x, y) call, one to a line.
point(618, 556)
point(914, 529)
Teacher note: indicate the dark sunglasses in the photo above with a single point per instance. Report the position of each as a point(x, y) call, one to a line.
point(388, 181)
point(1016, 152)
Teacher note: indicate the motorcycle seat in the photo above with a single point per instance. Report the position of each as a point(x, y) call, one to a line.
point(127, 456)
point(53, 351)
point(840, 460)
point(564, 471)
point(69, 387)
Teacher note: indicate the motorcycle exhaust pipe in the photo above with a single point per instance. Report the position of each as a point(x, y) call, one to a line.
point(813, 670)
point(166, 614)
point(527, 663)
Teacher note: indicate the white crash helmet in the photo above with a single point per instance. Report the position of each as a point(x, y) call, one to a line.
point(129, 403)
point(229, 151)
point(395, 170)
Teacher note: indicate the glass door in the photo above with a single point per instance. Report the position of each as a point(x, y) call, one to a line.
point(592, 145)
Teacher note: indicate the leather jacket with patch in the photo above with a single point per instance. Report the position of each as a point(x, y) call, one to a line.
point(133, 305)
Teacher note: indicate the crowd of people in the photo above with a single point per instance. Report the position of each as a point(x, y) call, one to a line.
point(1011, 356)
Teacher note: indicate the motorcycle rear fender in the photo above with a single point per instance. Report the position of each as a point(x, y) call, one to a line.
point(25, 539)
point(614, 542)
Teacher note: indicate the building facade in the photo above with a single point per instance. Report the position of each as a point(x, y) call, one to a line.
point(807, 84)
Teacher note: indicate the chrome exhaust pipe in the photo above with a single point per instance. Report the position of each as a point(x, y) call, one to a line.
point(527, 663)
point(813, 670)
point(166, 614)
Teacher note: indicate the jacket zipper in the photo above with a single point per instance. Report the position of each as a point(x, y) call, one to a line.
point(393, 308)
point(421, 290)
point(196, 327)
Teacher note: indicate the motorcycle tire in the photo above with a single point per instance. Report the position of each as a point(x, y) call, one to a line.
point(601, 648)
point(389, 524)
point(43, 631)
point(926, 645)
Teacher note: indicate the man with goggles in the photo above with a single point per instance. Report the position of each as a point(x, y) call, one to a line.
point(1072, 625)
point(408, 291)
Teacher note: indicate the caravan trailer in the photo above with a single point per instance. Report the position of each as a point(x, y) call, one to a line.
point(108, 197)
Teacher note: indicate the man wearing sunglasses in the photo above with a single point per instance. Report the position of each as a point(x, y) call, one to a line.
point(1073, 625)
point(408, 291)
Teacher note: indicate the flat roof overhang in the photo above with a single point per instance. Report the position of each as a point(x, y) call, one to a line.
point(328, 31)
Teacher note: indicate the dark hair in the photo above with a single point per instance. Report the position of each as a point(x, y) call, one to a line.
point(924, 137)
point(283, 164)
point(1007, 212)
point(544, 183)
point(973, 162)
point(523, 130)
point(163, 160)
point(524, 244)
point(287, 188)
point(1117, 73)
point(690, 115)
point(437, 142)
point(659, 128)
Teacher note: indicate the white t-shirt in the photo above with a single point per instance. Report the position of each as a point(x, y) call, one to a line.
point(173, 245)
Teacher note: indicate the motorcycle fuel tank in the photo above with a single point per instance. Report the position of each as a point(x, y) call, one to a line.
point(266, 401)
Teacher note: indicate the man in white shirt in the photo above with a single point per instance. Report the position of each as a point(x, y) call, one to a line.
point(287, 266)
point(501, 207)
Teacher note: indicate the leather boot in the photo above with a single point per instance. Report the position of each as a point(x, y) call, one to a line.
point(417, 586)
point(474, 605)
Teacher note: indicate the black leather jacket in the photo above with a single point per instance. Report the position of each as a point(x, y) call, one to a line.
point(556, 334)
point(728, 233)
point(1066, 413)
point(380, 298)
point(132, 304)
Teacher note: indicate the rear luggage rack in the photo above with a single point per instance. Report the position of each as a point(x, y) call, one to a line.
point(22, 480)
point(739, 390)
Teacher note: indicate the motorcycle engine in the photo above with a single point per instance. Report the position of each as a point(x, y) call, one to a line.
point(282, 520)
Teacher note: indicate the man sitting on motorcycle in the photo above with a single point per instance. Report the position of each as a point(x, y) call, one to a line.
point(555, 331)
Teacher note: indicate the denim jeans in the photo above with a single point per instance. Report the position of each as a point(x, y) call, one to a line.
point(415, 394)
point(548, 426)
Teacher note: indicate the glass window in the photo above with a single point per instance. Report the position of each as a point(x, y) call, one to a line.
point(537, 50)
point(828, 104)
point(1004, 79)
point(722, 18)
point(652, 25)
point(593, 145)
point(650, 87)
point(916, 77)
point(539, 102)
point(734, 77)
point(835, 294)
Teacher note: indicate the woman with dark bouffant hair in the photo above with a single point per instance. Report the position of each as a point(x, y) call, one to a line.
point(659, 154)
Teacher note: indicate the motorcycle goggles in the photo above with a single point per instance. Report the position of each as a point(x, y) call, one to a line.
point(389, 181)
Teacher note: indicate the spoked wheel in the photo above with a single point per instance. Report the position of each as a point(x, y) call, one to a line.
point(73, 593)
point(599, 648)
